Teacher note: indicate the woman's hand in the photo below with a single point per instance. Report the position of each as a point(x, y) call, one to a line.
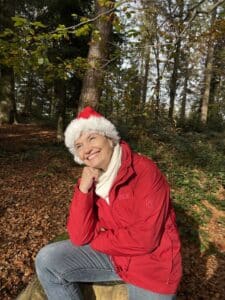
point(89, 175)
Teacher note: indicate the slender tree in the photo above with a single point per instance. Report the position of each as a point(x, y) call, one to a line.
point(176, 62)
point(97, 56)
point(60, 94)
point(207, 74)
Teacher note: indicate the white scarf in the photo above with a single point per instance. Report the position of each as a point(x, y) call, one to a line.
point(106, 179)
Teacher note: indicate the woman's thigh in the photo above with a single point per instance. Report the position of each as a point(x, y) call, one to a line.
point(135, 293)
point(76, 264)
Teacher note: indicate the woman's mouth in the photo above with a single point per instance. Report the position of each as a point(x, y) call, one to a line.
point(93, 155)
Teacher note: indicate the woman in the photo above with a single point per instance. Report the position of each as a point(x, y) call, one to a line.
point(121, 223)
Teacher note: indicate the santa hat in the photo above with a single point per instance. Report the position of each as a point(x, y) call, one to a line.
point(88, 120)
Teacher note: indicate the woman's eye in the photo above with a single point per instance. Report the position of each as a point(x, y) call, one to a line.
point(92, 138)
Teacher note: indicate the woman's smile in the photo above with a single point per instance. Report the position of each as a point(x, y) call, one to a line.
point(93, 155)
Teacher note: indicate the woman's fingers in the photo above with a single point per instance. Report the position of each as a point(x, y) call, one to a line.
point(89, 175)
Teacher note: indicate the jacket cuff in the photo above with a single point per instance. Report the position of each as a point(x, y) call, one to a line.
point(82, 199)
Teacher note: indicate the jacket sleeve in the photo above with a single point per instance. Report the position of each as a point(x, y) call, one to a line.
point(82, 217)
point(150, 209)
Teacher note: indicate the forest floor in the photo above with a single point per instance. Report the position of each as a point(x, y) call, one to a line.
point(37, 176)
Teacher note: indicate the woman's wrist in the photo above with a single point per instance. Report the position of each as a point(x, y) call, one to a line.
point(83, 189)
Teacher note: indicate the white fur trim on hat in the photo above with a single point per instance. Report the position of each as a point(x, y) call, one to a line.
point(95, 124)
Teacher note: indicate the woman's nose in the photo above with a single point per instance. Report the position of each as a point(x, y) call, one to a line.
point(87, 149)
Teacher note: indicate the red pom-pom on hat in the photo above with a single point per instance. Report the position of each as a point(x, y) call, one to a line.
point(88, 112)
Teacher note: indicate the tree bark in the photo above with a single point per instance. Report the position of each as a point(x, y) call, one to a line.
point(158, 82)
point(176, 65)
point(97, 57)
point(60, 93)
point(184, 96)
point(207, 83)
point(7, 95)
point(204, 102)
point(27, 110)
point(215, 87)
point(184, 100)
point(146, 67)
point(174, 78)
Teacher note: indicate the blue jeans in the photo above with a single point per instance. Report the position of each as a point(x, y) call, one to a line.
point(61, 265)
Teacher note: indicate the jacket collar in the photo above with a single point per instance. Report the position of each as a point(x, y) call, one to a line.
point(126, 170)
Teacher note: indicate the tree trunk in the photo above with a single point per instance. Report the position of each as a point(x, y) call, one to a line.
point(158, 78)
point(90, 291)
point(213, 97)
point(184, 100)
point(97, 57)
point(52, 102)
point(7, 95)
point(28, 96)
point(60, 93)
point(7, 99)
point(204, 102)
point(176, 65)
point(207, 84)
point(184, 96)
point(146, 66)
point(174, 78)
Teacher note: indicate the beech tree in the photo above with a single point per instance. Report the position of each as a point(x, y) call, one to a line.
point(98, 53)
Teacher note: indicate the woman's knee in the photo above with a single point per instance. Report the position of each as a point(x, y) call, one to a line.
point(48, 257)
point(43, 257)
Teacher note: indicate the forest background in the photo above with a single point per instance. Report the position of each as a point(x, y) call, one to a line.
point(156, 69)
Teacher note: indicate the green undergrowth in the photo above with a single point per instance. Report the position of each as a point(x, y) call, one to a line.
point(194, 165)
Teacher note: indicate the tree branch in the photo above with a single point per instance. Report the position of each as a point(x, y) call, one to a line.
point(95, 18)
point(213, 6)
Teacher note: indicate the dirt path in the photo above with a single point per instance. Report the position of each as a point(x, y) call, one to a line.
point(215, 228)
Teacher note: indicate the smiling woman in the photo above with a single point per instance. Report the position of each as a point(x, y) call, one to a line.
point(88, 121)
point(121, 222)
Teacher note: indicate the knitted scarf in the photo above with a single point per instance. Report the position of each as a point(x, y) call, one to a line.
point(106, 179)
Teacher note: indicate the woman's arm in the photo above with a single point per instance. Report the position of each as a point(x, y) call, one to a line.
point(82, 217)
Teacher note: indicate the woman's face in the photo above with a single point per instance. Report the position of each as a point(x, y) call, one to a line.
point(94, 149)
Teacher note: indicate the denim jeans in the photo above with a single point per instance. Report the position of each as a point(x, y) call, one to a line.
point(61, 265)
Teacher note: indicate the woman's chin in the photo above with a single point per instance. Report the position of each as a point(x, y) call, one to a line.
point(93, 164)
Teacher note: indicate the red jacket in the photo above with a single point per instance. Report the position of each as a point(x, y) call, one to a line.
point(141, 235)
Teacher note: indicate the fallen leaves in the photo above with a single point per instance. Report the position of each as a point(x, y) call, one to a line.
point(33, 208)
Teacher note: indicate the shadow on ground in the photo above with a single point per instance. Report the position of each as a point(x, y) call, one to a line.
point(203, 272)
